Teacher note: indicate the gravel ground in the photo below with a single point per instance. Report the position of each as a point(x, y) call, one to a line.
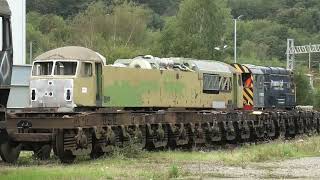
point(304, 168)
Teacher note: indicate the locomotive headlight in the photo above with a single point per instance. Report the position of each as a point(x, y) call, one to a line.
point(68, 94)
point(33, 94)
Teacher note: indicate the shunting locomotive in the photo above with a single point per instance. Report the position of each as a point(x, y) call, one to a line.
point(81, 106)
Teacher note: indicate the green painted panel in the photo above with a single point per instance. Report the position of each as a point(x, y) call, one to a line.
point(124, 93)
point(172, 85)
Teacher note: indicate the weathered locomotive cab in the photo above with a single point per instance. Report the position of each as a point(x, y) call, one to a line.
point(280, 88)
point(66, 78)
point(273, 87)
point(267, 87)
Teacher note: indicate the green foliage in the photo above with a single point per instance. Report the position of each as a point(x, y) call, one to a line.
point(117, 33)
point(188, 28)
point(254, 9)
point(59, 7)
point(130, 150)
point(194, 34)
point(304, 91)
point(173, 172)
point(163, 164)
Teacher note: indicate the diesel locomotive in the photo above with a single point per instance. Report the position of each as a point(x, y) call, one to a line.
point(82, 106)
point(74, 77)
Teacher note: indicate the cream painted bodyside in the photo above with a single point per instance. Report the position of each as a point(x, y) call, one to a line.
point(85, 91)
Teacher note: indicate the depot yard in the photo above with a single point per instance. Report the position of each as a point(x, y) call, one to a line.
point(277, 159)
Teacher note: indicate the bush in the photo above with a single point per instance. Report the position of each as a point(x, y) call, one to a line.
point(173, 172)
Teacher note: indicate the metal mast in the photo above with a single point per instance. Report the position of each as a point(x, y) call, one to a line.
point(292, 50)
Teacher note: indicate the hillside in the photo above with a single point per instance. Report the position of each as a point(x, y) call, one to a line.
point(186, 28)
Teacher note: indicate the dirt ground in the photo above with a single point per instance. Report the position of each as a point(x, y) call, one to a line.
point(304, 168)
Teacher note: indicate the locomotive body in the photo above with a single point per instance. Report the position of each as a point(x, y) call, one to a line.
point(87, 82)
point(211, 85)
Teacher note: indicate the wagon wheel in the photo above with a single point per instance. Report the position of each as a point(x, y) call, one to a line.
point(96, 152)
point(42, 152)
point(139, 138)
point(10, 152)
point(64, 156)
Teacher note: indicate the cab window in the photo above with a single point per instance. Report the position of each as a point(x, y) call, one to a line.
point(65, 68)
point(211, 83)
point(225, 84)
point(86, 69)
point(42, 68)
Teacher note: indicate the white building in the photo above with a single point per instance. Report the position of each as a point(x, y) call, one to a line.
point(19, 93)
point(18, 9)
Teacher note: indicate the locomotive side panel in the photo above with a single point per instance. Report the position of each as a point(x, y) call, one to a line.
point(6, 56)
point(129, 87)
point(6, 52)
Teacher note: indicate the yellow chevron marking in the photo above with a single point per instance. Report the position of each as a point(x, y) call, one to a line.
point(237, 67)
point(246, 69)
point(250, 91)
point(250, 101)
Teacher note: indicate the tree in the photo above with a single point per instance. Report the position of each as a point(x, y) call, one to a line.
point(112, 31)
point(59, 7)
point(196, 31)
point(304, 91)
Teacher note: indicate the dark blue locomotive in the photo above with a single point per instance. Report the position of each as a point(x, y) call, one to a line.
point(272, 87)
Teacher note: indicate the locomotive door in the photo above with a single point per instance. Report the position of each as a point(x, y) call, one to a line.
point(98, 68)
point(237, 91)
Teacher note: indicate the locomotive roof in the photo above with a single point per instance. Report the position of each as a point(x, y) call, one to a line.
point(254, 69)
point(72, 53)
point(212, 66)
point(208, 66)
point(4, 8)
point(267, 70)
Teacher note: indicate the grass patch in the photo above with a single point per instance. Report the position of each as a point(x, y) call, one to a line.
point(276, 150)
point(156, 165)
point(173, 172)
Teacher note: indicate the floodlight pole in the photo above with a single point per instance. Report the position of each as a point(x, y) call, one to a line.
point(235, 37)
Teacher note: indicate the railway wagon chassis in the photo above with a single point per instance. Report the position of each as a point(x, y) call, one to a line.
point(95, 133)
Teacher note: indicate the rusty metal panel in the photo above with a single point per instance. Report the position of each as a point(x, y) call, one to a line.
point(31, 137)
